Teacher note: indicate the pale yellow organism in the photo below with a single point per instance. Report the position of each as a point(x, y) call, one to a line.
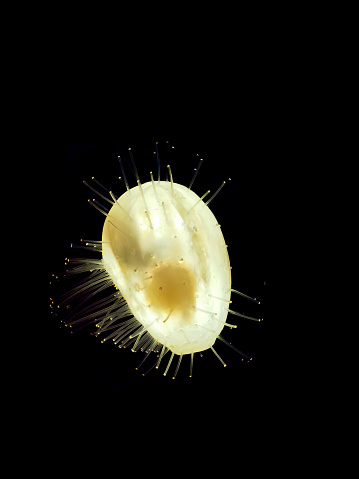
point(169, 260)
point(164, 251)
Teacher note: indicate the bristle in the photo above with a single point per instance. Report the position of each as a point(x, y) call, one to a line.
point(234, 348)
point(143, 360)
point(168, 315)
point(123, 173)
point(221, 299)
point(88, 284)
point(150, 368)
point(171, 178)
point(134, 165)
point(84, 265)
point(92, 241)
point(191, 365)
point(121, 231)
point(145, 203)
point(164, 350)
point(245, 296)
point(196, 170)
point(99, 207)
point(100, 184)
point(158, 163)
point(154, 187)
point(197, 202)
point(169, 364)
point(178, 365)
point(143, 331)
point(215, 193)
point(118, 204)
point(218, 356)
point(244, 315)
point(96, 248)
point(95, 191)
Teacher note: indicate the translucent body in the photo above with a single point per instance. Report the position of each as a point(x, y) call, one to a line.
point(164, 250)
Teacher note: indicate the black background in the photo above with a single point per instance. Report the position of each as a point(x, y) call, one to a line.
point(245, 144)
point(247, 124)
point(242, 92)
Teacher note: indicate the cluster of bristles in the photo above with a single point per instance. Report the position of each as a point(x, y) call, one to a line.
point(109, 313)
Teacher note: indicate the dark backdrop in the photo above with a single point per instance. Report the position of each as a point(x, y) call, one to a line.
point(245, 137)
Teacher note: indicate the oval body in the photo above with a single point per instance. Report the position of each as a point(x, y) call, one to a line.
point(164, 250)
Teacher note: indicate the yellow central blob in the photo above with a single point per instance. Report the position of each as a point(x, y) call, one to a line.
point(172, 288)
